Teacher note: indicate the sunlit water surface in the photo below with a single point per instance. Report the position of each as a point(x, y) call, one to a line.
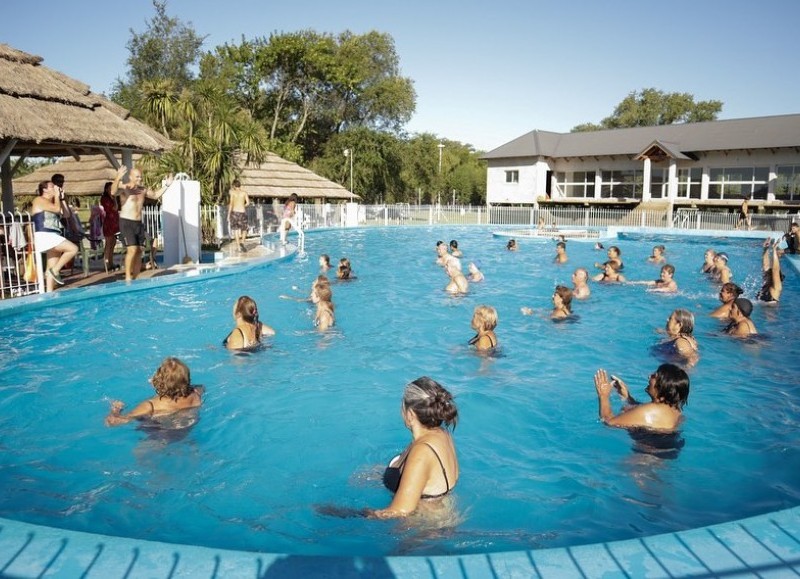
point(310, 419)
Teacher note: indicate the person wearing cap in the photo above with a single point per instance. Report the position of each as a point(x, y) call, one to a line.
point(722, 273)
point(741, 325)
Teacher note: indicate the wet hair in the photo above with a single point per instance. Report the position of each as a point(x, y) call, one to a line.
point(324, 293)
point(561, 244)
point(511, 243)
point(432, 404)
point(343, 271)
point(487, 316)
point(732, 288)
point(686, 320)
point(246, 308)
point(672, 385)
point(744, 305)
point(42, 187)
point(615, 249)
point(57, 179)
point(669, 268)
point(660, 248)
point(326, 259)
point(440, 242)
point(172, 379)
point(454, 244)
point(566, 296)
point(321, 280)
point(237, 183)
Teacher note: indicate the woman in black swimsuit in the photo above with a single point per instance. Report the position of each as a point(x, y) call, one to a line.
point(249, 330)
point(428, 467)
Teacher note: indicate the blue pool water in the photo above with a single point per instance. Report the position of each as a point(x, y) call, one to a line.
point(309, 420)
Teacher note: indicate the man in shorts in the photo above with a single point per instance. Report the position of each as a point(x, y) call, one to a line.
point(237, 215)
point(131, 228)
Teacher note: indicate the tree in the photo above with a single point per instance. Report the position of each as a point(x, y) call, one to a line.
point(166, 51)
point(651, 107)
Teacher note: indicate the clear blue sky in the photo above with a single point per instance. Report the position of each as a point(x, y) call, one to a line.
point(484, 72)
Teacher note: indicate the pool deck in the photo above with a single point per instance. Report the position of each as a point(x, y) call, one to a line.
point(763, 546)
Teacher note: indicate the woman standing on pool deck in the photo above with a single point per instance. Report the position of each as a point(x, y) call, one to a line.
point(174, 392)
point(668, 388)
point(46, 213)
point(249, 330)
point(428, 468)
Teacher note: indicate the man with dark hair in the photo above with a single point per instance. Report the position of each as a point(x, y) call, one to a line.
point(237, 214)
point(792, 238)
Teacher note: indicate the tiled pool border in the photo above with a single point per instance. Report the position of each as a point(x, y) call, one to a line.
point(766, 544)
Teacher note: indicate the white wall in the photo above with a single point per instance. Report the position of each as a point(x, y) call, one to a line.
point(531, 181)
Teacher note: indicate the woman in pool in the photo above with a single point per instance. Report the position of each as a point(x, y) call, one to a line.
point(562, 300)
point(511, 245)
point(665, 283)
point(344, 271)
point(770, 291)
point(610, 274)
point(613, 254)
point(658, 254)
point(727, 293)
point(249, 330)
point(321, 295)
point(174, 392)
point(668, 389)
point(428, 468)
point(680, 332)
point(324, 263)
point(484, 321)
point(708, 263)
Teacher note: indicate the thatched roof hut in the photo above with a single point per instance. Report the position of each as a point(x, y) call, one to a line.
point(278, 178)
point(44, 113)
point(86, 176)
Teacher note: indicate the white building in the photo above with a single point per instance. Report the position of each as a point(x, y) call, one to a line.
point(715, 163)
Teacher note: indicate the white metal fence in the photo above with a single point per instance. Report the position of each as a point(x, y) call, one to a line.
point(21, 270)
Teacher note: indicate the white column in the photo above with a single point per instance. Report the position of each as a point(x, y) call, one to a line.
point(598, 179)
point(646, 180)
point(704, 179)
point(672, 181)
point(772, 181)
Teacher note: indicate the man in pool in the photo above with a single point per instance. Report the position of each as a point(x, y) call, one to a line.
point(580, 285)
point(458, 283)
point(665, 283)
point(741, 325)
point(442, 253)
point(561, 253)
point(131, 228)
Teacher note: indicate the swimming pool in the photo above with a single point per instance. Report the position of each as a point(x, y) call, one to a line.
point(533, 456)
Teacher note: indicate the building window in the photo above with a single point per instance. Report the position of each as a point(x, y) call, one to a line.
point(512, 176)
point(787, 186)
point(625, 183)
point(578, 184)
point(689, 181)
point(738, 182)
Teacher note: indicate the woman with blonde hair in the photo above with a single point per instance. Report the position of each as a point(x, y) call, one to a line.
point(322, 295)
point(484, 321)
point(249, 330)
point(174, 392)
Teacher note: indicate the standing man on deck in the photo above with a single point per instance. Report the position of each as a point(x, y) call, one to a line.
point(131, 228)
point(237, 215)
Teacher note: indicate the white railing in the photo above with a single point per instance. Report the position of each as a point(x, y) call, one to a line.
point(21, 271)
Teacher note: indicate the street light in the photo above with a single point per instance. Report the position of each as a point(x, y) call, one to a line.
point(349, 154)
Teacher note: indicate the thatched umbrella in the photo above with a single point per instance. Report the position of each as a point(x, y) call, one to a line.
point(85, 176)
point(44, 113)
point(278, 178)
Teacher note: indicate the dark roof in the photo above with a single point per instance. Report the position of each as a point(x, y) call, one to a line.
point(734, 134)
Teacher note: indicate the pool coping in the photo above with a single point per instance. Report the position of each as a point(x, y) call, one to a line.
point(768, 543)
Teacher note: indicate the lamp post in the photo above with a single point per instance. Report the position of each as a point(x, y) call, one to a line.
point(441, 147)
point(348, 153)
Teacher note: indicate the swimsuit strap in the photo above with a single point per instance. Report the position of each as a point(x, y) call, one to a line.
point(444, 472)
point(152, 408)
point(474, 339)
